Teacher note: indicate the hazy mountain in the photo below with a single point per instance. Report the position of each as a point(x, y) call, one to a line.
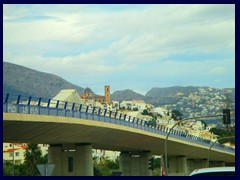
point(126, 95)
point(168, 95)
point(171, 91)
point(21, 80)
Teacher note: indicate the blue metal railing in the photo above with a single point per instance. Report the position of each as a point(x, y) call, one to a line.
point(35, 105)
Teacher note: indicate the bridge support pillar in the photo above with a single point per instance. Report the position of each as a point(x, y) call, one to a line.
point(84, 161)
point(71, 159)
point(217, 164)
point(177, 166)
point(55, 157)
point(135, 163)
point(196, 164)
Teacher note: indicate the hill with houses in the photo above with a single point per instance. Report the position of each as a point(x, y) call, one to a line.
point(190, 100)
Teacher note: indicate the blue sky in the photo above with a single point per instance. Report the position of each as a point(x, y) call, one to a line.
point(134, 47)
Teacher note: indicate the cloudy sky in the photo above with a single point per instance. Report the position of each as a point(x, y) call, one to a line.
point(125, 46)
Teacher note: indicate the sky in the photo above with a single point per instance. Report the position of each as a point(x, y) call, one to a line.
point(138, 46)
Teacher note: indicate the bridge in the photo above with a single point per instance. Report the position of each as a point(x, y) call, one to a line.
point(72, 130)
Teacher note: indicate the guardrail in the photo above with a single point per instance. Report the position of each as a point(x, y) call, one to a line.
point(35, 105)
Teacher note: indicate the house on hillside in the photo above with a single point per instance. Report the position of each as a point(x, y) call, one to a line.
point(229, 144)
point(208, 136)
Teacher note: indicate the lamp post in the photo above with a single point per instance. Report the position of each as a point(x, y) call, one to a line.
point(165, 147)
point(13, 160)
point(229, 137)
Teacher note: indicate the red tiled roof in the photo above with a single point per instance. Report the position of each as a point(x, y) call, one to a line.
point(24, 147)
point(11, 150)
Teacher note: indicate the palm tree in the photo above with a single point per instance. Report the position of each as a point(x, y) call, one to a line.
point(33, 155)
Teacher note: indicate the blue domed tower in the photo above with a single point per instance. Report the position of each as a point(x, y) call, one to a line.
point(88, 94)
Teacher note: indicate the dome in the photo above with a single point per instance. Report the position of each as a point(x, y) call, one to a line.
point(87, 90)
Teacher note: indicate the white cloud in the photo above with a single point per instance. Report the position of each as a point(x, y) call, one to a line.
point(79, 40)
point(217, 70)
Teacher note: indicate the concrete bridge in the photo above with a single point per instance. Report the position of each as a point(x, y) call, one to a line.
point(72, 130)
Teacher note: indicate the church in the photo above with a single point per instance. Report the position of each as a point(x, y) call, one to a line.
point(89, 95)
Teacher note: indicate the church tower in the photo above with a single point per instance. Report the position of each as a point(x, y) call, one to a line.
point(107, 94)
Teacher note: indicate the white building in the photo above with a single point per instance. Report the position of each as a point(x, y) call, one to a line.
point(198, 125)
point(160, 110)
point(18, 150)
point(126, 105)
point(113, 155)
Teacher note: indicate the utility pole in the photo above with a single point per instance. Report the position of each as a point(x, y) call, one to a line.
point(165, 147)
point(229, 137)
point(13, 159)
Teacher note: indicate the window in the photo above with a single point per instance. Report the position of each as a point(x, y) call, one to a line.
point(16, 153)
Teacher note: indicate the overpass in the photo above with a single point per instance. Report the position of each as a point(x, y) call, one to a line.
point(72, 130)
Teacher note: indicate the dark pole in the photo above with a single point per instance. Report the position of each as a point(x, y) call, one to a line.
point(165, 147)
point(229, 137)
point(13, 160)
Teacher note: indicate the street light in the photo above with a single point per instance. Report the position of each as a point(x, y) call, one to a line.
point(13, 160)
point(229, 137)
point(165, 149)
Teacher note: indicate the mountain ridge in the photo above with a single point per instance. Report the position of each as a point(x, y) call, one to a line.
point(18, 79)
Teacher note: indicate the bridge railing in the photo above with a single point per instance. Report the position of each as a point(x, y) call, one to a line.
point(36, 105)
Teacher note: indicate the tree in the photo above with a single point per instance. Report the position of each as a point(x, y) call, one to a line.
point(33, 156)
point(145, 112)
point(204, 123)
point(105, 166)
point(176, 115)
point(135, 109)
point(224, 133)
point(7, 168)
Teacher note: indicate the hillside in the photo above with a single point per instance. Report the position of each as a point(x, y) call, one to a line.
point(190, 101)
point(168, 95)
point(171, 91)
point(21, 80)
point(126, 95)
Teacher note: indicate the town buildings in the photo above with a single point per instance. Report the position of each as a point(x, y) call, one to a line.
point(15, 151)
point(88, 95)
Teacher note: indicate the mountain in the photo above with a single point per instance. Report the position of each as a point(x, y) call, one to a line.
point(126, 95)
point(190, 101)
point(28, 82)
point(170, 91)
point(168, 95)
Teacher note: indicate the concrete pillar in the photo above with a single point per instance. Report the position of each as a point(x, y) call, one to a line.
point(182, 163)
point(217, 164)
point(193, 164)
point(135, 166)
point(71, 159)
point(135, 163)
point(204, 163)
point(145, 156)
point(124, 163)
point(55, 157)
point(84, 162)
point(177, 166)
point(222, 164)
point(66, 156)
